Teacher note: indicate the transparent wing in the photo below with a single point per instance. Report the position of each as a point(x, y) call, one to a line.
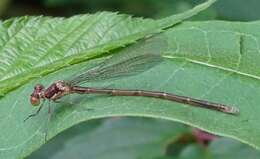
point(130, 61)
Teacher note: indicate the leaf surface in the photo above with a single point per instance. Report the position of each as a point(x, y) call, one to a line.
point(31, 47)
point(114, 138)
point(218, 149)
point(216, 61)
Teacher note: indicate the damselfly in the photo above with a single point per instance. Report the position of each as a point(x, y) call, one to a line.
point(132, 60)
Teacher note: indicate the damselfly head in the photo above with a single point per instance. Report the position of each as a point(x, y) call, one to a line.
point(36, 95)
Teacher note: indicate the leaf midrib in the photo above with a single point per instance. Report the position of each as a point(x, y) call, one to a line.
point(217, 67)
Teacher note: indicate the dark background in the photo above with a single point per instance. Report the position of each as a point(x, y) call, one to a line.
point(235, 10)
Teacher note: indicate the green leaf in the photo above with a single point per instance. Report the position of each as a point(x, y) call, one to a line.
point(241, 10)
point(220, 148)
point(195, 151)
point(217, 61)
point(31, 47)
point(114, 138)
point(225, 148)
point(220, 62)
point(34, 47)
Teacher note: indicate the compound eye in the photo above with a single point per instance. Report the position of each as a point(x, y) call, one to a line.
point(35, 101)
point(38, 87)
